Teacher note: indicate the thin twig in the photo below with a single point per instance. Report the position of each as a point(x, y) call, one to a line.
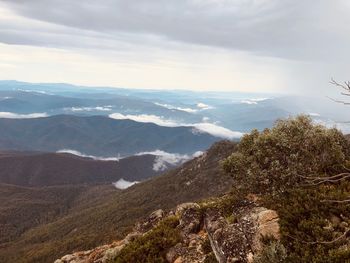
point(322, 242)
point(336, 201)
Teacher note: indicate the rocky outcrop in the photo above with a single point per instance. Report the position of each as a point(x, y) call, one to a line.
point(239, 241)
point(106, 253)
point(102, 254)
point(204, 233)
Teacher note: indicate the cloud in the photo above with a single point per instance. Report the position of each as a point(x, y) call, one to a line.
point(5, 98)
point(170, 107)
point(204, 106)
point(314, 114)
point(162, 162)
point(253, 101)
point(161, 121)
point(261, 27)
point(98, 108)
point(164, 159)
point(35, 91)
point(217, 131)
point(12, 115)
point(99, 158)
point(205, 127)
point(202, 44)
point(201, 106)
point(123, 184)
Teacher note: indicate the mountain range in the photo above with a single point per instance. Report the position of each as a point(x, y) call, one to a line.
point(99, 135)
point(35, 169)
point(41, 224)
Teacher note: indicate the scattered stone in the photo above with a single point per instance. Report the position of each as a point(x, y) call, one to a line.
point(237, 241)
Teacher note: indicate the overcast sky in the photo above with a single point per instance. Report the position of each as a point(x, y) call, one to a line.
point(247, 45)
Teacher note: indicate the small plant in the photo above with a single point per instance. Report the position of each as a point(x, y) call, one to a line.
point(152, 247)
point(210, 258)
point(273, 252)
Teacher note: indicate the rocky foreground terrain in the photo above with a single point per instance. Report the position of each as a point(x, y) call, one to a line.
point(205, 234)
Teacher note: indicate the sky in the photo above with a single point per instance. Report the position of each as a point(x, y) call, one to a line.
point(283, 46)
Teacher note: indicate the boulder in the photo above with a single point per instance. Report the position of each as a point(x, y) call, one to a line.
point(241, 240)
point(266, 222)
point(151, 221)
point(190, 218)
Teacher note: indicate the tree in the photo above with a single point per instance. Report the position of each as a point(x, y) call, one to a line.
point(301, 170)
point(293, 153)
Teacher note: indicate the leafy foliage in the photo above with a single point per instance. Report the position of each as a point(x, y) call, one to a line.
point(273, 252)
point(277, 159)
point(309, 226)
point(279, 164)
point(152, 247)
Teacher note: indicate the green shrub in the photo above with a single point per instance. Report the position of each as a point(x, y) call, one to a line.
point(276, 163)
point(152, 247)
point(306, 222)
point(210, 258)
point(272, 252)
point(276, 159)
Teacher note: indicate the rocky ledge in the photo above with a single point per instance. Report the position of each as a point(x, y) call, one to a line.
point(205, 233)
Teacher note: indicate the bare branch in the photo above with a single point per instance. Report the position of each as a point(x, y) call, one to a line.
point(336, 201)
point(322, 242)
point(313, 178)
point(345, 86)
point(339, 101)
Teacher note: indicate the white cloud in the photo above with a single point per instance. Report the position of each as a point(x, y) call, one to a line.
point(170, 107)
point(200, 107)
point(159, 120)
point(98, 108)
point(253, 101)
point(313, 114)
point(35, 91)
point(217, 131)
point(204, 106)
point(205, 127)
point(12, 115)
point(5, 98)
point(164, 159)
point(123, 184)
point(74, 152)
point(120, 40)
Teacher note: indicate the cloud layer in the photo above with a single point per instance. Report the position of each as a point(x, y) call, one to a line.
point(164, 160)
point(268, 45)
point(200, 107)
point(262, 27)
point(123, 184)
point(12, 115)
point(74, 152)
point(213, 129)
point(97, 108)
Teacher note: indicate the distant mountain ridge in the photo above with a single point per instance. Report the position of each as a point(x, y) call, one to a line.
point(92, 215)
point(98, 135)
point(52, 169)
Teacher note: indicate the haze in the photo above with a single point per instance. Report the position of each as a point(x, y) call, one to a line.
point(238, 45)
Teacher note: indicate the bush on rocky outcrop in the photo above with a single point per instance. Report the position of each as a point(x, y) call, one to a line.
point(278, 159)
point(273, 252)
point(301, 170)
point(152, 247)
